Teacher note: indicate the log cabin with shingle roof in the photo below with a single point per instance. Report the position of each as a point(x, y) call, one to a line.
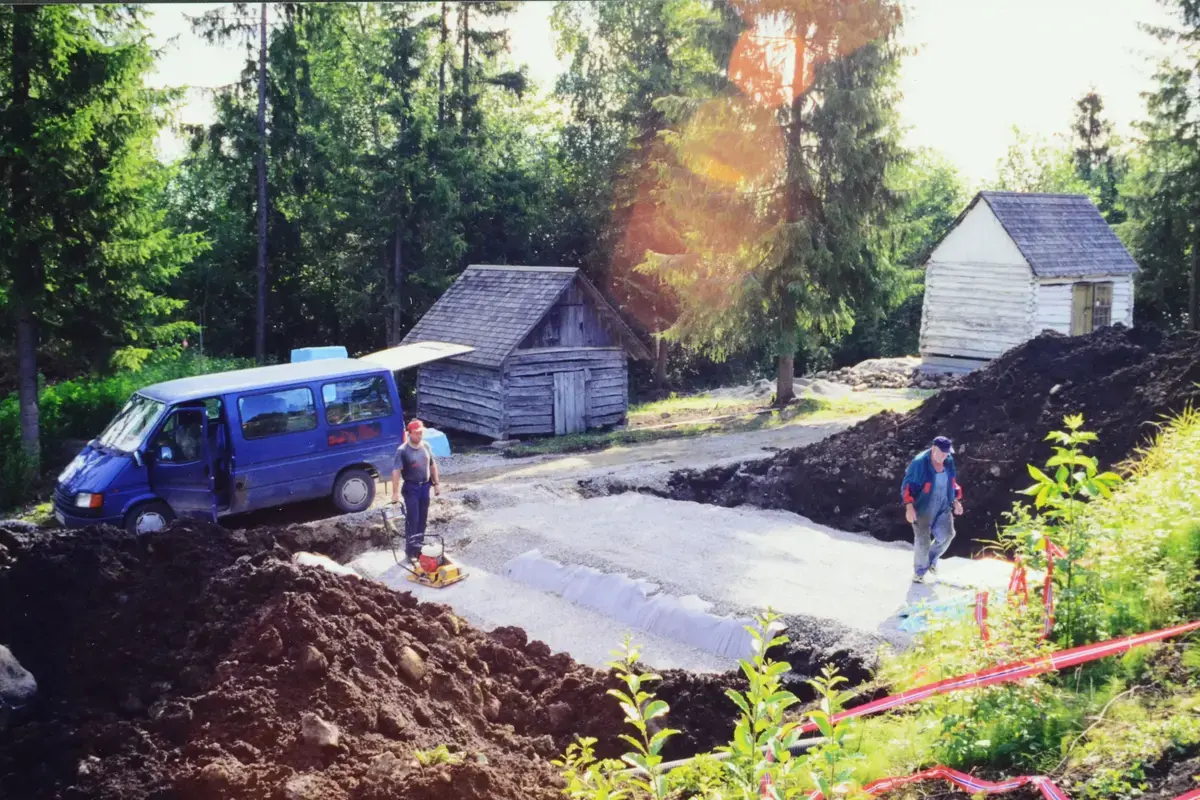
point(1014, 265)
point(550, 354)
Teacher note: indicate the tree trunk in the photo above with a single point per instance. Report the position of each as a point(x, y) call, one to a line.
point(1194, 295)
point(28, 284)
point(660, 364)
point(442, 65)
point(260, 313)
point(397, 285)
point(785, 390)
point(27, 383)
point(466, 67)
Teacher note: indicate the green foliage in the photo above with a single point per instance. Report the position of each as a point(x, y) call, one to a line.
point(641, 709)
point(437, 755)
point(79, 410)
point(929, 194)
point(637, 772)
point(1034, 165)
point(761, 736)
point(1099, 160)
point(831, 768)
point(1060, 501)
point(774, 192)
point(377, 200)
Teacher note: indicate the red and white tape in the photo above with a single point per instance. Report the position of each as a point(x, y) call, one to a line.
point(963, 781)
point(1009, 673)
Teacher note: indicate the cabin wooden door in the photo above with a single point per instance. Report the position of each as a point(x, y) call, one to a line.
point(570, 402)
point(1081, 309)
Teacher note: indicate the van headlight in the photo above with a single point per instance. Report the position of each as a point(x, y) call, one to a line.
point(89, 500)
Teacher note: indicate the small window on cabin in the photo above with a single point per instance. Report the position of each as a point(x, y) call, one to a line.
point(212, 407)
point(273, 413)
point(356, 400)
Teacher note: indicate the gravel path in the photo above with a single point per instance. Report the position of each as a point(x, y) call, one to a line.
point(488, 601)
point(726, 563)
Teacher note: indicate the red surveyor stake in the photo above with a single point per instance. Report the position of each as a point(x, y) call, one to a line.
point(1192, 795)
point(963, 781)
point(1008, 673)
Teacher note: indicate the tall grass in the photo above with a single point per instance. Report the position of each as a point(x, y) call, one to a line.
point(79, 409)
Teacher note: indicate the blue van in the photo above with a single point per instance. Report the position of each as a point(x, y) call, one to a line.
point(232, 442)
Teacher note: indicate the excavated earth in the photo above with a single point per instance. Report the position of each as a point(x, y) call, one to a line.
point(201, 662)
point(1122, 380)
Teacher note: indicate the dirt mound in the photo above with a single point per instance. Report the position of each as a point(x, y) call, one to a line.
point(201, 662)
point(1121, 380)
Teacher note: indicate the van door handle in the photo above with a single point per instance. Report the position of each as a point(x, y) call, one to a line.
point(206, 470)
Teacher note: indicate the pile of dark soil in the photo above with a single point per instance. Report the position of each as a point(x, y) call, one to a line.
point(202, 662)
point(1122, 380)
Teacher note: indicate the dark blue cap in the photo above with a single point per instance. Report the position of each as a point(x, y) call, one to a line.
point(944, 444)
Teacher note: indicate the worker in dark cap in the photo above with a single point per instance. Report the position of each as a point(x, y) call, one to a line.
point(415, 470)
point(932, 498)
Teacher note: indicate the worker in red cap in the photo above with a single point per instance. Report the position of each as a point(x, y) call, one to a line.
point(415, 466)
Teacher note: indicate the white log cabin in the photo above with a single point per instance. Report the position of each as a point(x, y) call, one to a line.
point(550, 354)
point(1014, 265)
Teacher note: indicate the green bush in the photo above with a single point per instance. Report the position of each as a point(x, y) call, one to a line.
point(79, 409)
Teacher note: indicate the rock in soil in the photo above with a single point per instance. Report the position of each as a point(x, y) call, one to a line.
point(195, 663)
point(1122, 380)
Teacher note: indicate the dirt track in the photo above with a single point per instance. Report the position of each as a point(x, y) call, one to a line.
point(1123, 381)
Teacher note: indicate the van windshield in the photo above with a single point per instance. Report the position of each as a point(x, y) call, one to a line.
point(129, 427)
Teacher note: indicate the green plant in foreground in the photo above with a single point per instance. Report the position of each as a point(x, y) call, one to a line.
point(641, 708)
point(438, 755)
point(610, 779)
point(830, 766)
point(761, 738)
point(1060, 501)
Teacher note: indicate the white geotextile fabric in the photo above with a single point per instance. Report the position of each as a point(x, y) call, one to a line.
point(636, 603)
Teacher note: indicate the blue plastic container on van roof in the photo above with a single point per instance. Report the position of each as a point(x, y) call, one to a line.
point(318, 353)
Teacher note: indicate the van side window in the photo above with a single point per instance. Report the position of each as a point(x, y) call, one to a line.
point(178, 440)
point(356, 400)
point(273, 413)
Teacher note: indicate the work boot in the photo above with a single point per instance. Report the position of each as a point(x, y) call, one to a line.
point(918, 577)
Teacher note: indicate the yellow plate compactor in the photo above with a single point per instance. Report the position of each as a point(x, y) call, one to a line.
point(433, 567)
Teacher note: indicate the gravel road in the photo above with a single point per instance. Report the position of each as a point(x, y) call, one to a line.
point(730, 563)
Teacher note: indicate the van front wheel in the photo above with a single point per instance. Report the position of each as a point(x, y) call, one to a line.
point(354, 491)
point(149, 517)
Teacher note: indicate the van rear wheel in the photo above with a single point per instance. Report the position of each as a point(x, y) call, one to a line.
point(149, 517)
point(354, 491)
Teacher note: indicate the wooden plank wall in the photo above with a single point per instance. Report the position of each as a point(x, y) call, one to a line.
point(529, 386)
point(1054, 303)
point(462, 397)
point(572, 322)
point(976, 310)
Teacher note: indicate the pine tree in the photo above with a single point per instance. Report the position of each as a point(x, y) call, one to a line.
point(84, 245)
point(1097, 160)
point(781, 183)
point(1169, 179)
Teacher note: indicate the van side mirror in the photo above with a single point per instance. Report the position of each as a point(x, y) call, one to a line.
point(137, 458)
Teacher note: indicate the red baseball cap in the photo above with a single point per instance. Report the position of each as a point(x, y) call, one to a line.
point(416, 425)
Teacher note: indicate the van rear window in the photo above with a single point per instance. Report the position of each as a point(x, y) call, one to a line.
point(273, 413)
point(356, 400)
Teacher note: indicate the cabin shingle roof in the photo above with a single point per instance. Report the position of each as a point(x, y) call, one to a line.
point(1060, 235)
point(493, 309)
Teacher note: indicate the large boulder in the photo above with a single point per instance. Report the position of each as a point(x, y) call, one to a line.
point(17, 685)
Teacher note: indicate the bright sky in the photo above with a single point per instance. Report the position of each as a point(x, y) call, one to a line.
point(979, 67)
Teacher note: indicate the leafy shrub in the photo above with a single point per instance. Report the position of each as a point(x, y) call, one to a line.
point(79, 409)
